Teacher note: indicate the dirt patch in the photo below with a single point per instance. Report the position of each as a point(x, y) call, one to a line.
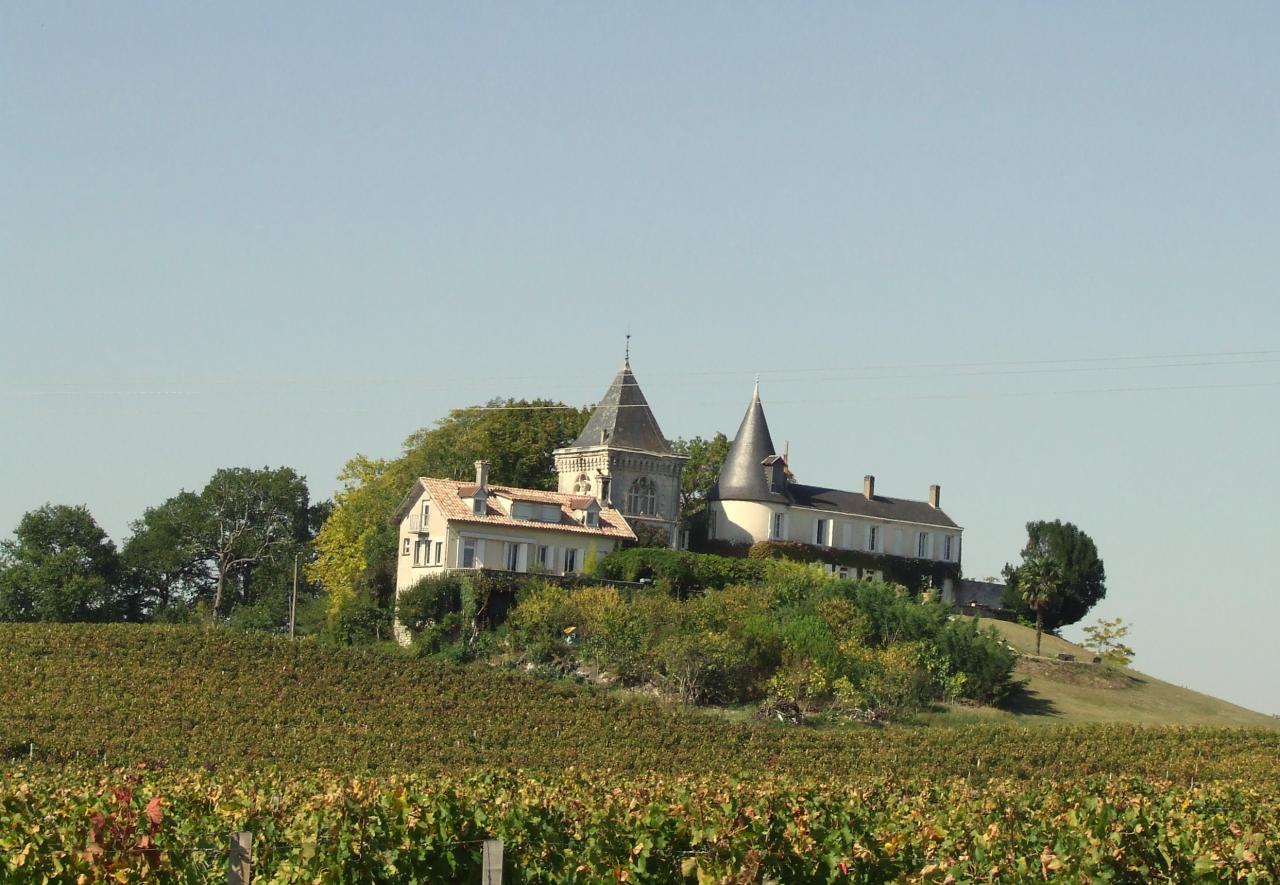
point(1075, 673)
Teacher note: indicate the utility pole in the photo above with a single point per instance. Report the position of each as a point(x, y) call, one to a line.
point(293, 600)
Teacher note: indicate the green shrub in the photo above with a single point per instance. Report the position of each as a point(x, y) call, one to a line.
point(980, 657)
point(357, 620)
point(679, 572)
point(917, 575)
point(429, 601)
point(538, 621)
point(786, 631)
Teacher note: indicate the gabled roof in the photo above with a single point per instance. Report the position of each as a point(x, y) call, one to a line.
point(742, 476)
point(879, 507)
point(623, 419)
point(454, 498)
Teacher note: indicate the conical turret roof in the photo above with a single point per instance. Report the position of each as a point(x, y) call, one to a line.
point(623, 419)
point(742, 476)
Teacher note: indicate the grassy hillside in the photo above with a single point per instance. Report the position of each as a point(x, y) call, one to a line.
point(1054, 691)
point(188, 696)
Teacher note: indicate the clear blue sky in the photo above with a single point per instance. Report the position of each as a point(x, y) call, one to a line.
point(251, 234)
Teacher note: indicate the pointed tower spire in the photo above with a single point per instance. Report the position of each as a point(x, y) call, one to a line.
point(623, 418)
point(743, 476)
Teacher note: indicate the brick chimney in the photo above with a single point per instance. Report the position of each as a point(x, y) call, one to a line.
point(869, 486)
point(482, 476)
point(935, 494)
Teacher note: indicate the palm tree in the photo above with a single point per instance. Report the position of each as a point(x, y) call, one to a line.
point(1040, 583)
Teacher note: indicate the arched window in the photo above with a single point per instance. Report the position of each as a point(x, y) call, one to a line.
point(642, 497)
point(583, 485)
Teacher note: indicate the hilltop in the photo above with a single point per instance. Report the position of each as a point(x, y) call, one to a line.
point(1053, 691)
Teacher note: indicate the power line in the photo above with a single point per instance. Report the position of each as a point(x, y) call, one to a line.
point(989, 368)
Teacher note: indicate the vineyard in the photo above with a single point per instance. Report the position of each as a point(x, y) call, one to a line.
point(131, 752)
point(130, 826)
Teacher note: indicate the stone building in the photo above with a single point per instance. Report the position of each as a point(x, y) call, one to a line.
point(622, 458)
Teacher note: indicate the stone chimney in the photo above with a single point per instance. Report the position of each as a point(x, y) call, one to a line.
point(935, 494)
point(482, 476)
point(869, 487)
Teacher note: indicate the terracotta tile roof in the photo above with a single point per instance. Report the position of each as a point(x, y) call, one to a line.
point(454, 500)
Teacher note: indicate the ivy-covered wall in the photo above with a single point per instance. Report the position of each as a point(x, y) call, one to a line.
point(917, 575)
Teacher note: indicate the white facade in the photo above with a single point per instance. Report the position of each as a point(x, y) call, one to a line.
point(447, 525)
point(748, 522)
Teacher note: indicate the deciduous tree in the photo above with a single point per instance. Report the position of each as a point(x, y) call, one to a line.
point(700, 472)
point(1104, 638)
point(243, 525)
point(60, 566)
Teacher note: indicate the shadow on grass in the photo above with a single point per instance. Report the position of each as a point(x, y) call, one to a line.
point(1025, 702)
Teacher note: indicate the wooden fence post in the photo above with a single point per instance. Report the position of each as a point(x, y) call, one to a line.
point(239, 859)
point(491, 864)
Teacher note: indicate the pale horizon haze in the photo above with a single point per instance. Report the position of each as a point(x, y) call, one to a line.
point(1026, 251)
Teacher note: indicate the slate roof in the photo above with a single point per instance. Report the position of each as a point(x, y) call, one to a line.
point(623, 419)
point(454, 499)
point(879, 507)
point(742, 476)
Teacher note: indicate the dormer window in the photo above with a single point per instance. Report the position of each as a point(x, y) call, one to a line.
point(591, 519)
point(477, 506)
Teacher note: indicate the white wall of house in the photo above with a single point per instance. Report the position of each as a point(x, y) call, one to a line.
point(416, 559)
point(750, 521)
point(410, 566)
point(743, 522)
point(493, 544)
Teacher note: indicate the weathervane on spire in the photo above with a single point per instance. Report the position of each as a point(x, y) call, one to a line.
point(627, 354)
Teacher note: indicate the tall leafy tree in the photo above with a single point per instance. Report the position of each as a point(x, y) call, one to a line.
point(60, 566)
point(251, 517)
point(224, 543)
point(355, 548)
point(706, 456)
point(1084, 579)
point(162, 557)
